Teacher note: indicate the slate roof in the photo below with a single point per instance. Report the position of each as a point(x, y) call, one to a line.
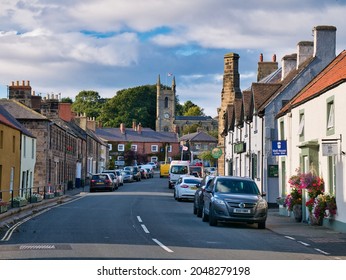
point(330, 77)
point(21, 111)
point(198, 137)
point(146, 136)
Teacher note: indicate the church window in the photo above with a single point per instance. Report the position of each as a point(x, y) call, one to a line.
point(166, 102)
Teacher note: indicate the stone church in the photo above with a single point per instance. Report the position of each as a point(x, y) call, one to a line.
point(166, 118)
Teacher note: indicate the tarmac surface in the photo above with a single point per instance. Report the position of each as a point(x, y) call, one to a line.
point(324, 240)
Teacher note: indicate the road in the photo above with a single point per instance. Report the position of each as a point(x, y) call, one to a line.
point(141, 220)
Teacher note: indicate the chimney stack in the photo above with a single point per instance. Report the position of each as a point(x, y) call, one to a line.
point(305, 50)
point(139, 128)
point(289, 63)
point(325, 42)
point(265, 68)
point(122, 128)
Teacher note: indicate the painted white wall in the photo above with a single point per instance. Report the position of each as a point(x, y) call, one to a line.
point(315, 130)
point(28, 161)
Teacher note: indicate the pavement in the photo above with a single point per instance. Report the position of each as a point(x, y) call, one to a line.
point(322, 239)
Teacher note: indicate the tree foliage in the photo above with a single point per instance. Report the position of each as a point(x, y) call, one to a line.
point(88, 103)
point(138, 103)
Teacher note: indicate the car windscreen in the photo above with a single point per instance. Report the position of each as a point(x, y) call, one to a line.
point(99, 177)
point(225, 185)
point(179, 169)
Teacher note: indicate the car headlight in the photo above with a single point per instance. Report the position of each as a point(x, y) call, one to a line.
point(219, 201)
point(262, 204)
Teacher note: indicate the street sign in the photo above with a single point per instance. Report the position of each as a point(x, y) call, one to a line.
point(279, 148)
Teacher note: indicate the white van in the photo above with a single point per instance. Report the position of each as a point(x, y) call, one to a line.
point(176, 169)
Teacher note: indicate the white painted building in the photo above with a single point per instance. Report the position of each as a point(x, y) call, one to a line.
point(27, 164)
point(313, 124)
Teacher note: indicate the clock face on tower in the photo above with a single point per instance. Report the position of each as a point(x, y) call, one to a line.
point(166, 115)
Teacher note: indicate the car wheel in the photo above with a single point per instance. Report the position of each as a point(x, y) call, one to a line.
point(205, 217)
point(199, 212)
point(262, 225)
point(194, 209)
point(212, 218)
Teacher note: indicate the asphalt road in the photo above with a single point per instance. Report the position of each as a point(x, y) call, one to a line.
point(141, 220)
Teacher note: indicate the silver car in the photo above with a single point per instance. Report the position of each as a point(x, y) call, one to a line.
point(234, 199)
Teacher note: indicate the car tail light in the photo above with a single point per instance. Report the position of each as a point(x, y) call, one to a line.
point(108, 182)
point(184, 186)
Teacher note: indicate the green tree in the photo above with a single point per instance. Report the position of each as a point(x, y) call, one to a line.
point(131, 104)
point(66, 100)
point(207, 156)
point(87, 102)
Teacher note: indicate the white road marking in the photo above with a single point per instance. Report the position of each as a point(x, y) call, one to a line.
point(305, 244)
point(139, 219)
point(321, 251)
point(145, 229)
point(289, 237)
point(162, 246)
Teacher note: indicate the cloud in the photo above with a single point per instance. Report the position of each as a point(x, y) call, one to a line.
point(72, 45)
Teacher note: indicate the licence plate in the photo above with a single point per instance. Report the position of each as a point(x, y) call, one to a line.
point(241, 210)
point(193, 188)
point(99, 183)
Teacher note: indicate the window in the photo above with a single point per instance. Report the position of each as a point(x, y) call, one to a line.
point(330, 116)
point(32, 148)
point(110, 147)
point(24, 146)
point(301, 125)
point(121, 147)
point(120, 158)
point(134, 148)
point(1, 139)
point(282, 130)
point(154, 159)
point(154, 148)
point(169, 148)
point(14, 144)
point(166, 102)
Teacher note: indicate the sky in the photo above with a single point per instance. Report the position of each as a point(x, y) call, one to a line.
point(66, 46)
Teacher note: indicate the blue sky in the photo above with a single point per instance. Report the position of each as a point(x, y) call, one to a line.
point(67, 46)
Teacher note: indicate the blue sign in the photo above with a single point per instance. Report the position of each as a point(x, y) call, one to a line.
point(279, 148)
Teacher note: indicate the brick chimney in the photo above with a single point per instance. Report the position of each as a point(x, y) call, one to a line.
point(139, 128)
point(122, 128)
point(134, 125)
point(91, 124)
point(265, 68)
point(65, 112)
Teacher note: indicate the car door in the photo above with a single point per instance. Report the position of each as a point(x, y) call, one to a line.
point(208, 194)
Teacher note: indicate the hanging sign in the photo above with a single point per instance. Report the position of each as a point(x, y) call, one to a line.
point(329, 149)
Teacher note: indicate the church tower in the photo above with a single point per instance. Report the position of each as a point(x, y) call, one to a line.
point(165, 107)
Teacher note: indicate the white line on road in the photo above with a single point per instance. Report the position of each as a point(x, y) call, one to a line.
point(162, 246)
point(305, 244)
point(145, 229)
point(139, 219)
point(321, 251)
point(289, 237)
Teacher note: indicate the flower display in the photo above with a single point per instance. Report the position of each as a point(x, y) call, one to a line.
point(319, 204)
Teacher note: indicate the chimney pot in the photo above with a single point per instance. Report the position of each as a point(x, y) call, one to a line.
point(261, 57)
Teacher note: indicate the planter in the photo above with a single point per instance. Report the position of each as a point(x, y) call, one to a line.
point(315, 221)
point(57, 194)
point(35, 199)
point(49, 195)
point(19, 203)
point(3, 208)
point(297, 212)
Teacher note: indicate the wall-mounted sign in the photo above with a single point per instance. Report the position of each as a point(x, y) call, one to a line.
point(239, 147)
point(273, 171)
point(329, 149)
point(279, 148)
point(216, 152)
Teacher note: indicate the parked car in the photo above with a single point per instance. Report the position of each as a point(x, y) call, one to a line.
point(120, 176)
point(127, 176)
point(234, 199)
point(153, 164)
point(102, 181)
point(186, 187)
point(136, 173)
point(199, 196)
point(144, 173)
point(113, 172)
point(150, 172)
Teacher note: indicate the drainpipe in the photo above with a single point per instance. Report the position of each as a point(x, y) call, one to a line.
point(262, 155)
